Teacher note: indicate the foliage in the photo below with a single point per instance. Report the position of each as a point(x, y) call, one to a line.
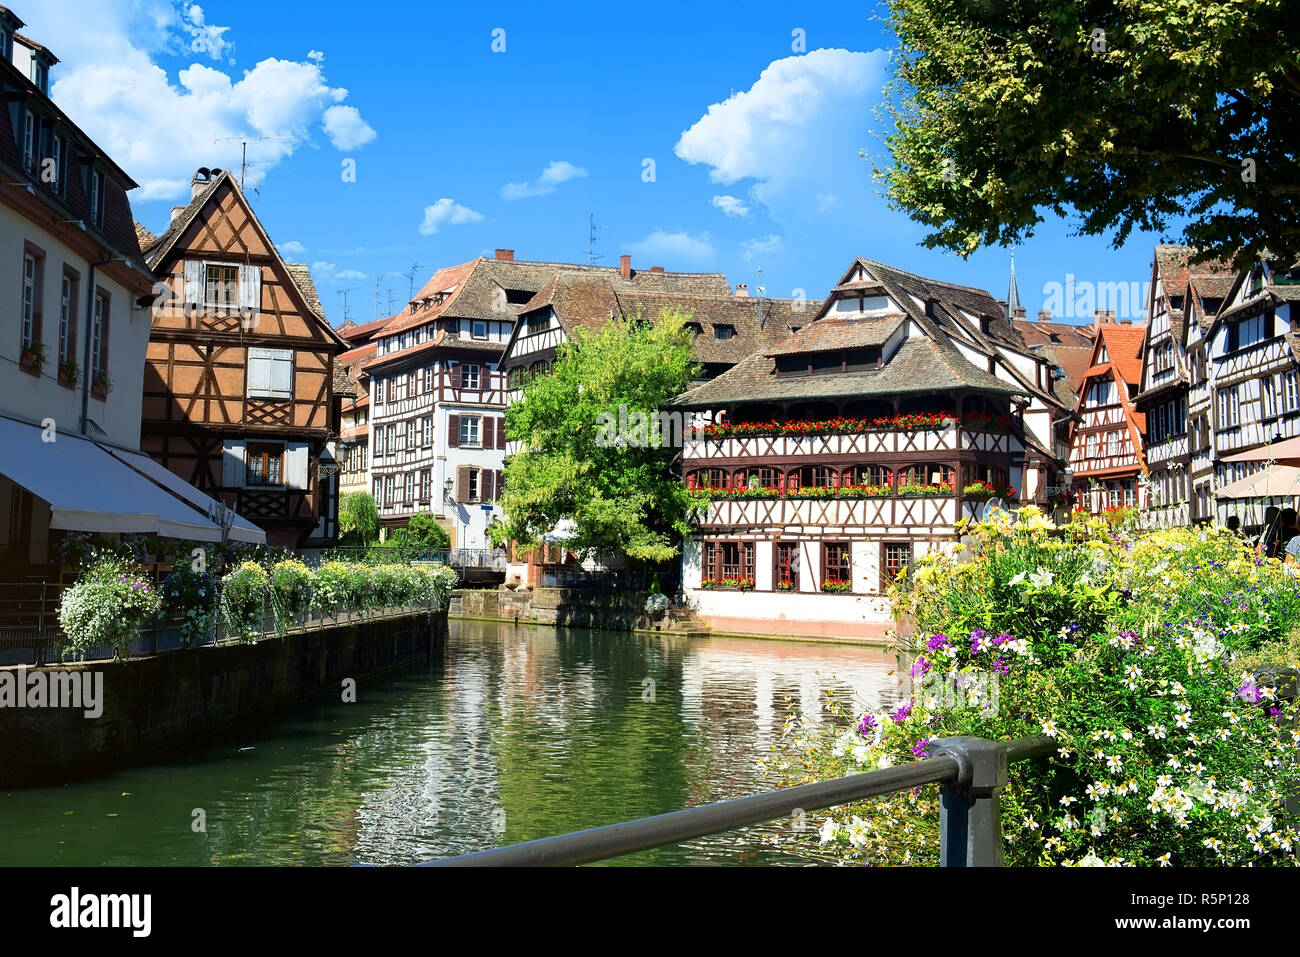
point(289, 584)
point(33, 357)
point(243, 600)
point(425, 534)
point(980, 491)
point(656, 603)
point(1130, 115)
point(739, 584)
point(358, 518)
point(193, 597)
point(1119, 647)
point(108, 606)
point(622, 496)
point(837, 585)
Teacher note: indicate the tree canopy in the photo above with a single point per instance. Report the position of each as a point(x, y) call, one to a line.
point(1130, 114)
point(590, 456)
point(358, 518)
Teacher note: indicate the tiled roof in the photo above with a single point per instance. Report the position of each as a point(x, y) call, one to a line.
point(1124, 346)
point(1073, 360)
point(301, 276)
point(1053, 334)
point(919, 365)
point(182, 220)
point(828, 334)
point(360, 353)
point(342, 384)
point(360, 333)
point(143, 236)
point(441, 341)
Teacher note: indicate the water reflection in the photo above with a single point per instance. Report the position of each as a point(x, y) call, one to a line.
point(513, 733)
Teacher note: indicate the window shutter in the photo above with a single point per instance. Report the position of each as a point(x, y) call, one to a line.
point(486, 485)
point(487, 432)
point(462, 483)
point(259, 371)
point(453, 431)
point(295, 465)
point(250, 290)
point(193, 282)
point(456, 376)
point(501, 432)
point(282, 375)
point(499, 480)
point(232, 463)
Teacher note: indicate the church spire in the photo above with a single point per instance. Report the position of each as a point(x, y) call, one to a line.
point(1013, 291)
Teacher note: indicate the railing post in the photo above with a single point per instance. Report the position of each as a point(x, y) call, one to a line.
point(970, 819)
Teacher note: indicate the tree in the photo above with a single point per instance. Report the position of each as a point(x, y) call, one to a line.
point(593, 455)
point(358, 518)
point(1128, 114)
point(424, 533)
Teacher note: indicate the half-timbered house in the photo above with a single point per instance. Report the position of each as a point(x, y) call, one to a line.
point(842, 453)
point(240, 381)
point(1106, 440)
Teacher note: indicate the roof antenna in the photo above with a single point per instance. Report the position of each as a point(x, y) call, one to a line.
point(410, 281)
point(760, 313)
point(592, 239)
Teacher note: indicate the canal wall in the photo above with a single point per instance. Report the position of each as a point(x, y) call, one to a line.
point(176, 699)
point(565, 607)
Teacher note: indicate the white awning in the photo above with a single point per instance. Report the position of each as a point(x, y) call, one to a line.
point(88, 489)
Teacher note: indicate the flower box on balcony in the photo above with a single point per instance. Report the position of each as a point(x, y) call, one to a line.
point(69, 374)
point(727, 584)
point(32, 359)
point(100, 386)
point(837, 585)
point(907, 422)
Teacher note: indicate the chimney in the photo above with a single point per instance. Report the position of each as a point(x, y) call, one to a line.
point(176, 211)
point(506, 255)
point(1044, 315)
point(742, 290)
point(202, 177)
point(656, 268)
point(625, 267)
point(1019, 312)
point(1101, 317)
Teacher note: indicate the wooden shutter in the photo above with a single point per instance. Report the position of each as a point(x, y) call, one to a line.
point(453, 431)
point(250, 290)
point(455, 375)
point(295, 465)
point(193, 282)
point(282, 373)
point(232, 463)
point(499, 480)
point(462, 483)
point(486, 485)
point(487, 437)
point(259, 370)
point(501, 432)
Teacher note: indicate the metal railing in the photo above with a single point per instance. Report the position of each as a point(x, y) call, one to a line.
point(970, 772)
point(29, 619)
point(403, 554)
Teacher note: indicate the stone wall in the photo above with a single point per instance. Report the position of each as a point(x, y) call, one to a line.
point(178, 698)
point(571, 607)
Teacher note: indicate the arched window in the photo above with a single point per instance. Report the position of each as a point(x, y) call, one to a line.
point(975, 472)
point(867, 475)
point(709, 478)
point(824, 476)
point(925, 473)
point(763, 476)
point(799, 478)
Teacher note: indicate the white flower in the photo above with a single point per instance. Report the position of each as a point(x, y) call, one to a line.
point(829, 831)
point(1049, 728)
point(1041, 578)
point(1020, 577)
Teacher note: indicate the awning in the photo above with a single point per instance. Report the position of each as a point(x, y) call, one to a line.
point(1278, 481)
point(1286, 452)
point(90, 489)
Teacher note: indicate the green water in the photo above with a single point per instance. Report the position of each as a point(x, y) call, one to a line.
point(511, 733)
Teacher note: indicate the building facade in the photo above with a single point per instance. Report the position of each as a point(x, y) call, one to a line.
point(240, 387)
point(810, 516)
point(1106, 453)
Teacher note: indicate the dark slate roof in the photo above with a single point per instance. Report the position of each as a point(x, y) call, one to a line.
point(918, 365)
point(828, 334)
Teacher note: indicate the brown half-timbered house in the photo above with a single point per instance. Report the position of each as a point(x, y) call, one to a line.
point(240, 379)
point(1106, 441)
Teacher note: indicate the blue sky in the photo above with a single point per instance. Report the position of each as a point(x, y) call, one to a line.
point(459, 148)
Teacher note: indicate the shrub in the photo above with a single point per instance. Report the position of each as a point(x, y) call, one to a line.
point(1123, 652)
point(193, 597)
point(290, 587)
point(243, 600)
point(108, 606)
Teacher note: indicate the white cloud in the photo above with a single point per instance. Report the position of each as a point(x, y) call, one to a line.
point(796, 130)
point(130, 77)
point(316, 56)
point(329, 273)
point(447, 212)
point(674, 249)
point(731, 206)
point(753, 249)
point(292, 248)
point(345, 127)
point(556, 172)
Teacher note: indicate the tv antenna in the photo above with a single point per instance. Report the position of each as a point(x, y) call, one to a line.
point(592, 239)
point(760, 289)
point(410, 281)
point(243, 154)
point(375, 312)
point(391, 300)
point(344, 294)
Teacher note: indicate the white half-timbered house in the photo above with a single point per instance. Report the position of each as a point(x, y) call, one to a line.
point(811, 518)
point(1106, 440)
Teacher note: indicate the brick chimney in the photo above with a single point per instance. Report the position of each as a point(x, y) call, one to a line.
point(176, 211)
point(742, 290)
point(1019, 312)
point(625, 266)
point(202, 178)
point(1102, 316)
point(1044, 315)
point(656, 268)
point(506, 255)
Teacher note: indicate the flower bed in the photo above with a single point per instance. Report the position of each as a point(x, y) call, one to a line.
point(107, 607)
point(907, 422)
point(837, 585)
point(1129, 650)
point(979, 491)
point(734, 584)
point(192, 597)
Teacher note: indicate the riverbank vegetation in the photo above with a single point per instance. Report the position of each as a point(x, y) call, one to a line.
point(1151, 658)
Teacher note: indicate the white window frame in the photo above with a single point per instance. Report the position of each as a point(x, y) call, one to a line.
point(31, 274)
point(97, 335)
point(468, 440)
point(466, 371)
point(428, 431)
point(67, 314)
point(278, 364)
point(29, 141)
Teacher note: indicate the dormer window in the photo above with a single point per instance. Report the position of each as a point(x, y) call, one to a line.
point(694, 328)
point(96, 198)
point(723, 331)
point(40, 75)
point(7, 44)
point(29, 141)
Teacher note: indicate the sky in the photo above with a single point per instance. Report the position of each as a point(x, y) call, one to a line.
point(388, 139)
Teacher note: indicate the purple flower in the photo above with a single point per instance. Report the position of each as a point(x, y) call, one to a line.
point(903, 713)
point(937, 643)
point(867, 725)
point(922, 748)
point(1001, 667)
point(1249, 691)
point(919, 668)
point(1002, 639)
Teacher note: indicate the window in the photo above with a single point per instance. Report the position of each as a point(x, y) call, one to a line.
point(377, 389)
point(270, 373)
point(733, 560)
point(379, 441)
point(867, 475)
point(58, 150)
point(1090, 446)
point(411, 390)
point(478, 330)
point(1268, 396)
point(29, 141)
point(67, 317)
point(469, 430)
point(927, 474)
point(761, 477)
point(1290, 394)
point(428, 431)
point(388, 490)
point(823, 477)
point(412, 435)
point(392, 438)
point(31, 318)
point(723, 331)
point(786, 576)
point(1112, 443)
point(710, 478)
point(96, 198)
point(379, 492)
point(473, 480)
point(897, 556)
point(428, 378)
point(426, 479)
point(392, 388)
point(410, 487)
point(99, 337)
point(836, 563)
point(265, 464)
point(469, 376)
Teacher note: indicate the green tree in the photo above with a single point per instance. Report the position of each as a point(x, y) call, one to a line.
point(620, 490)
point(423, 532)
point(358, 518)
point(1127, 114)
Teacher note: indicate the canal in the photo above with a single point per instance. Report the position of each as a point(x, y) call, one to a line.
point(510, 734)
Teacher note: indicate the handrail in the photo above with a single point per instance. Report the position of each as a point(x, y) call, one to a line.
point(970, 771)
